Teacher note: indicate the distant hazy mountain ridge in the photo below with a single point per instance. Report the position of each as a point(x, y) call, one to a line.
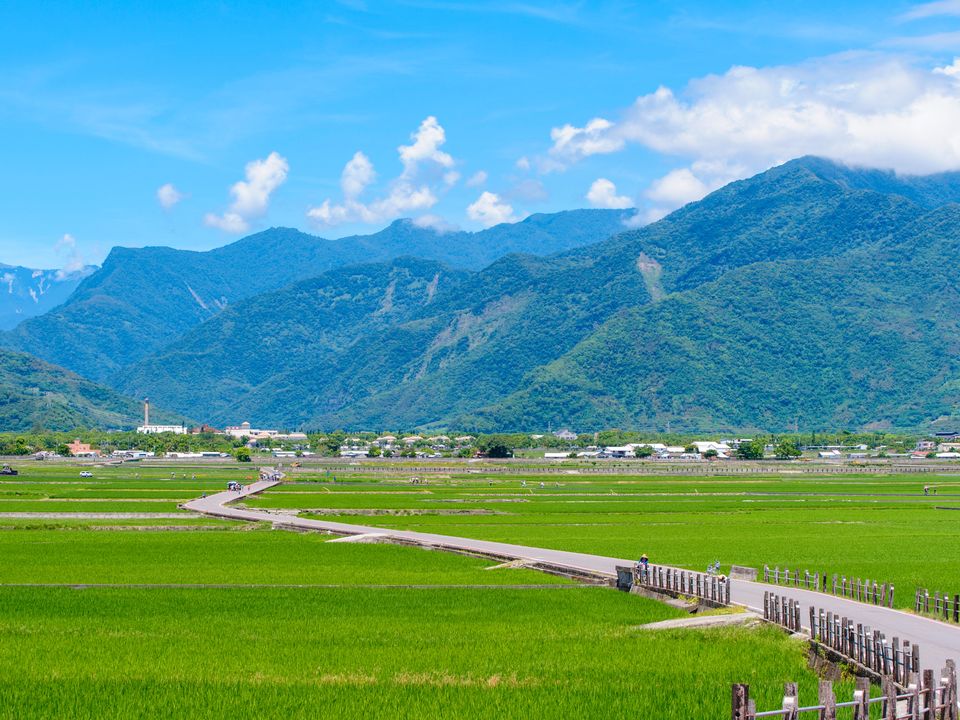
point(26, 292)
point(142, 299)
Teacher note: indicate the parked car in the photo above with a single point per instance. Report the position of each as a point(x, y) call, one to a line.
point(86, 473)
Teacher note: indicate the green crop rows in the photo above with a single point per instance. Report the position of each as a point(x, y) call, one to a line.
point(142, 615)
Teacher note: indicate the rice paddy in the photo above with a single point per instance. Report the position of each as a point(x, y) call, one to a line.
point(147, 610)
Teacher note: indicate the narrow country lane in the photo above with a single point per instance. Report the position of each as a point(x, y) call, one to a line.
point(938, 640)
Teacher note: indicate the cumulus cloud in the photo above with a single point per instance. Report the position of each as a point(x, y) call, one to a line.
point(489, 210)
point(427, 170)
point(66, 248)
point(867, 109)
point(357, 175)
point(425, 147)
point(603, 194)
point(168, 196)
point(477, 179)
point(251, 197)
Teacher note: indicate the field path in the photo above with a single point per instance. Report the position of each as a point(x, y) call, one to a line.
point(938, 640)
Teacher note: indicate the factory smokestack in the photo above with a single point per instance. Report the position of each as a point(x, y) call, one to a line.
point(146, 412)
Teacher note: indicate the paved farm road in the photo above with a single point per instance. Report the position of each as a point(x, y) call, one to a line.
point(938, 640)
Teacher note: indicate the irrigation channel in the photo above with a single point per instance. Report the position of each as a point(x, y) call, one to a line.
point(939, 641)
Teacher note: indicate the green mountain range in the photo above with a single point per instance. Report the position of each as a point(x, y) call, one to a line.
point(810, 296)
point(37, 395)
point(142, 299)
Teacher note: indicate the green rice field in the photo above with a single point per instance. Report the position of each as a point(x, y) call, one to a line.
point(150, 611)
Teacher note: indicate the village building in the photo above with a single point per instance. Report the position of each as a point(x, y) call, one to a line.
point(82, 449)
point(150, 429)
point(244, 430)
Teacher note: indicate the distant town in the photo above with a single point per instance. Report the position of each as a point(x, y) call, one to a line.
point(244, 442)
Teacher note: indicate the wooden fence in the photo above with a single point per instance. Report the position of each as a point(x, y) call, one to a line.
point(856, 642)
point(940, 606)
point(856, 589)
point(714, 589)
point(924, 698)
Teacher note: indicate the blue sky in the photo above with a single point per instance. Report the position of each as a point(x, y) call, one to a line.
point(336, 117)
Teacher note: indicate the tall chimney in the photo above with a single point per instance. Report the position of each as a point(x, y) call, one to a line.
point(146, 412)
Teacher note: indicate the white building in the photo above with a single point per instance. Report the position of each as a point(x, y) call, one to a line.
point(150, 429)
point(244, 430)
point(157, 429)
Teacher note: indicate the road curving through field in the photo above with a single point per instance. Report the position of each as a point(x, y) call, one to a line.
point(938, 641)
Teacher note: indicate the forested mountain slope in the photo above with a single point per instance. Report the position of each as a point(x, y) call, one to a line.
point(35, 394)
point(776, 300)
point(143, 299)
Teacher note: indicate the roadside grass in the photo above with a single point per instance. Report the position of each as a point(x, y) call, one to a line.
point(384, 653)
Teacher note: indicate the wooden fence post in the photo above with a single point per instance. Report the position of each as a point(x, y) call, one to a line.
point(913, 702)
point(951, 672)
point(827, 699)
point(956, 608)
point(813, 623)
point(931, 690)
point(861, 696)
point(740, 705)
point(790, 703)
point(889, 711)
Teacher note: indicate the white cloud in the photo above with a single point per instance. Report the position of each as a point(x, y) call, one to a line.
point(426, 147)
point(952, 70)
point(868, 109)
point(477, 179)
point(594, 138)
point(435, 222)
point(932, 9)
point(357, 175)
point(427, 170)
point(603, 194)
point(168, 196)
point(251, 197)
point(66, 247)
point(523, 163)
point(489, 210)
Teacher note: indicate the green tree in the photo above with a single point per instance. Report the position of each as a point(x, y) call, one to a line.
point(752, 450)
point(643, 451)
point(242, 454)
point(787, 449)
point(710, 454)
point(498, 449)
point(373, 451)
